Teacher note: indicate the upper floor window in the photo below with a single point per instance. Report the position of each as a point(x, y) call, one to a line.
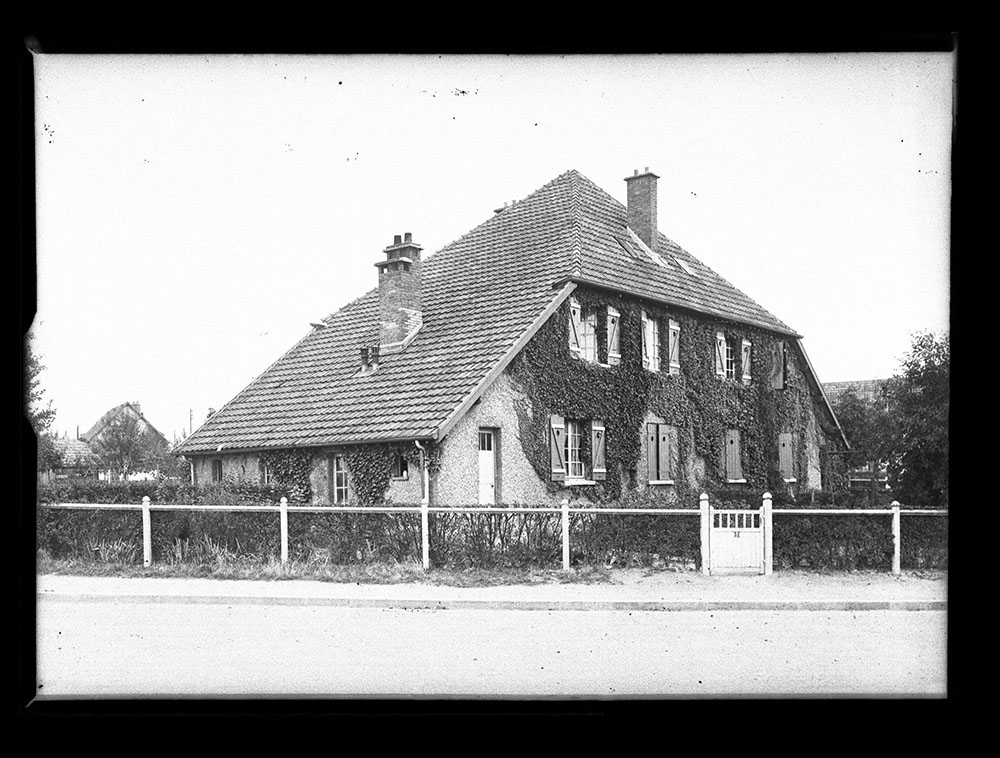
point(779, 366)
point(746, 350)
point(582, 332)
point(650, 343)
point(730, 359)
point(614, 337)
point(674, 347)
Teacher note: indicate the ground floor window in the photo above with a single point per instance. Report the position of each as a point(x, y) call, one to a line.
point(216, 470)
point(339, 480)
point(573, 457)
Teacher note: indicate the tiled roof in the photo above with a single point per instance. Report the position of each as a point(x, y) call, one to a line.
point(866, 389)
point(91, 434)
point(480, 294)
point(74, 452)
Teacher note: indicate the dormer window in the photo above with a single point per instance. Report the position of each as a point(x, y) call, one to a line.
point(582, 332)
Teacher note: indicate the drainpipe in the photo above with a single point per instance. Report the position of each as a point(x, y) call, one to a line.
point(425, 501)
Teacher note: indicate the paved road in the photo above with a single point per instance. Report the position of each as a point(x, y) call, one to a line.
point(109, 648)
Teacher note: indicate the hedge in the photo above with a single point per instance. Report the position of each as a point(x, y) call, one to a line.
point(458, 540)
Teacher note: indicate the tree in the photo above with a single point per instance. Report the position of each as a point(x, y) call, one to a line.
point(40, 414)
point(920, 399)
point(125, 446)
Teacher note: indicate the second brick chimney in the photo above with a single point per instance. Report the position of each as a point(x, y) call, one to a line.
point(642, 205)
point(399, 307)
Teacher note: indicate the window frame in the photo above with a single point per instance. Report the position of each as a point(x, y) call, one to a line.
point(217, 469)
point(573, 430)
point(339, 493)
point(650, 343)
point(730, 359)
point(400, 468)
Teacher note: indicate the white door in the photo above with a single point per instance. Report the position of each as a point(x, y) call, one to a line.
point(487, 467)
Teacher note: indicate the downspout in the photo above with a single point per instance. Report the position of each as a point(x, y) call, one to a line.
point(425, 500)
point(425, 497)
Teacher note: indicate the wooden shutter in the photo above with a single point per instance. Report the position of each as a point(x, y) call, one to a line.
point(673, 347)
point(574, 326)
point(614, 341)
point(652, 457)
point(720, 355)
point(598, 439)
point(654, 344)
point(745, 356)
point(778, 366)
point(734, 468)
point(665, 470)
point(557, 436)
point(785, 455)
point(647, 348)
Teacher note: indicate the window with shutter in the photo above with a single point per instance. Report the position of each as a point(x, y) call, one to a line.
point(574, 327)
point(588, 337)
point(614, 339)
point(598, 441)
point(745, 356)
point(734, 466)
point(661, 453)
point(339, 480)
point(572, 450)
point(557, 435)
point(720, 355)
point(778, 366)
point(786, 456)
point(650, 343)
point(674, 347)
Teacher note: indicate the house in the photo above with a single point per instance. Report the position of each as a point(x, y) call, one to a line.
point(563, 348)
point(76, 461)
point(115, 428)
point(875, 392)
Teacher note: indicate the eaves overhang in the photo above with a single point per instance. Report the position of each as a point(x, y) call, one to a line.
point(578, 280)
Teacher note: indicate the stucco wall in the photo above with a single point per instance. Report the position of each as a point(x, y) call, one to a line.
point(457, 482)
point(241, 467)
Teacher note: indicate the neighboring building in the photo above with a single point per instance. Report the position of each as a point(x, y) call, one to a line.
point(563, 348)
point(873, 391)
point(155, 441)
point(76, 461)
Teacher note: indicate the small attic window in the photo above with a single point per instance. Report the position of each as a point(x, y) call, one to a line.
point(683, 264)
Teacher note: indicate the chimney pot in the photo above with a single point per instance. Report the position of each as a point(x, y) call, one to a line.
point(396, 240)
point(407, 237)
point(374, 357)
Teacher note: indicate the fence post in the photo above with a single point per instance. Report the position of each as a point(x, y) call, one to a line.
point(425, 537)
point(147, 534)
point(895, 537)
point(768, 543)
point(283, 513)
point(705, 521)
point(565, 534)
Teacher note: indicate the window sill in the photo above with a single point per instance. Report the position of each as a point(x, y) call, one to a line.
point(736, 481)
point(792, 480)
point(579, 483)
point(661, 481)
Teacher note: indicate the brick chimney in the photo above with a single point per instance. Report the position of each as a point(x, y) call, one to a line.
point(642, 205)
point(399, 306)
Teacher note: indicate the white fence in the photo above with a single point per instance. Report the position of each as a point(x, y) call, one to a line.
point(713, 521)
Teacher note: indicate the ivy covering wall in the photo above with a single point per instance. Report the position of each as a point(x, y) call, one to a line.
point(700, 404)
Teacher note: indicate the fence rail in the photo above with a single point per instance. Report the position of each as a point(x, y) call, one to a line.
point(704, 512)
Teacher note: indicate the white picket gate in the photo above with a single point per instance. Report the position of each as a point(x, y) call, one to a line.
point(736, 540)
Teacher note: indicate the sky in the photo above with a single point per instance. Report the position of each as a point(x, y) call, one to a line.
point(195, 213)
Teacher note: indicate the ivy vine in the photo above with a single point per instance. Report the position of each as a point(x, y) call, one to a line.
point(699, 403)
